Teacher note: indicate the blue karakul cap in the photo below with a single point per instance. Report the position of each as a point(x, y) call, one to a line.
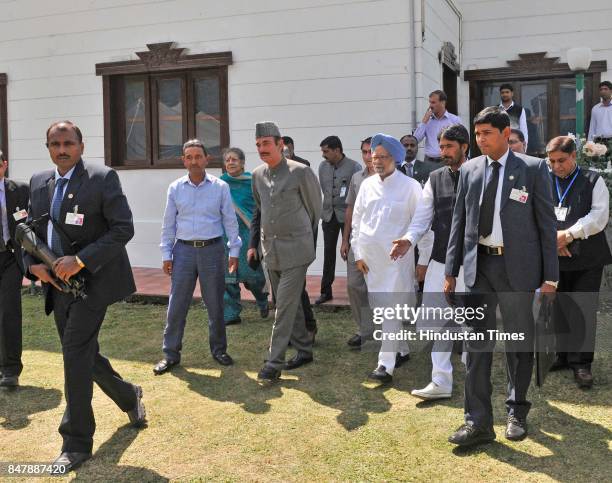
point(391, 144)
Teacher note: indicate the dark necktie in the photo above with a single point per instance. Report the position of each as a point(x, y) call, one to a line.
point(487, 207)
point(56, 205)
point(406, 168)
point(455, 177)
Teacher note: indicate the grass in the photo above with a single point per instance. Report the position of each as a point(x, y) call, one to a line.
point(321, 422)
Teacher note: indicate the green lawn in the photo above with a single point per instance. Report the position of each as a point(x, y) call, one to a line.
point(320, 422)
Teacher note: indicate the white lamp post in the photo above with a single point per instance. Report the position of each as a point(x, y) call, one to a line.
point(579, 60)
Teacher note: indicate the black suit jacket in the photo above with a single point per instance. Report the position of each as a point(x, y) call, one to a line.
point(254, 233)
point(529, 229)
point(421, 170)
point(100, 241)
point(17, 196)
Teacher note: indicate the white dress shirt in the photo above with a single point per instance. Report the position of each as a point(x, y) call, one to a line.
point(522, 122)
point(601, 121)
point(4, 213)
point(496, 238)
point(595, 220)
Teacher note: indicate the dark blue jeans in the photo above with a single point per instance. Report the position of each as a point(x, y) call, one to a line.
point(189, 264)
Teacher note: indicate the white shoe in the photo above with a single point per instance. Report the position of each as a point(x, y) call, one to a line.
point(432, 391)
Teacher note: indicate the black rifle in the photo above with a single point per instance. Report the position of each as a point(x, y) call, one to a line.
point(25, 236)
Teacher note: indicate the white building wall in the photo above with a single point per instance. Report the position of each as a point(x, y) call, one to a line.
point(441, 24)
point(497, 31)
point(317, 67)
point(435, 24)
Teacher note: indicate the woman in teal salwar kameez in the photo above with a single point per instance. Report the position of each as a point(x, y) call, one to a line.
point(254, 280)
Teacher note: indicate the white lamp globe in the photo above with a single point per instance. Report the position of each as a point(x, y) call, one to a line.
point(579, 58)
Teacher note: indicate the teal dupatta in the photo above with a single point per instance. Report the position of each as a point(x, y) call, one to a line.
point(244, 205)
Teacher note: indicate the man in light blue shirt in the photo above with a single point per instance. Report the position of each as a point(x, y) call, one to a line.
point(436, 118)
point(198, 211)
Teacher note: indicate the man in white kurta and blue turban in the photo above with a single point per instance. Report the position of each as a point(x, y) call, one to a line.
point(382, 213)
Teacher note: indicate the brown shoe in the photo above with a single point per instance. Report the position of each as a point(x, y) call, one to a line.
point(583, 378)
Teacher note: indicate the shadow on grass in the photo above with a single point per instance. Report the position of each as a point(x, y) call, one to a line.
point(104, 466)
point(243, 390)
point(17, 405)
point(254, 398)
point(572, 443)
point(335, 380)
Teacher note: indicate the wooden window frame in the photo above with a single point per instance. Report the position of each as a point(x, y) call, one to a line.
point(162, 60)
point(4, 146)
point(533, 66)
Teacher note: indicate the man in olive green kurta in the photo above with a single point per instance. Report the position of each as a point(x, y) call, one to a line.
point(289, 198)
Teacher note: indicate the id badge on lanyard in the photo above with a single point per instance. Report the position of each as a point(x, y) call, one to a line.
point(560, 210)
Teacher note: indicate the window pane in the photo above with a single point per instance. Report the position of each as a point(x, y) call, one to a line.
point(170, 109)
point(490, 95)
point(135, 127)
point(567, 107)
point(208, 114)
point(535, 102)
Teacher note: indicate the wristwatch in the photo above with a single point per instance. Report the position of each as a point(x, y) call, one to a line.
point(569, 238)
point(78, 260)
point(554, 284)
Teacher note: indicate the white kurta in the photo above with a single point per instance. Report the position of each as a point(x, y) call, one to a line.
point(382, 213)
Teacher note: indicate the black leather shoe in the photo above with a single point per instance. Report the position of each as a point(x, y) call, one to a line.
point(354, 342)
point(380, 374)
point(323, 298)
point(468, 435)
point(235, 321)
point(224, 359)
point(516, 429)
point(138, 415)
point(164, 366)
point(583, 378)
point(264, 312)
point(560, 364)
point(9, 382)
point(298, 360)
point(66, 462)
point(268, 374)
point(400, 359)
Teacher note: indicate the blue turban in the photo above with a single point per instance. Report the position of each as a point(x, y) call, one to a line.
point(391, 144)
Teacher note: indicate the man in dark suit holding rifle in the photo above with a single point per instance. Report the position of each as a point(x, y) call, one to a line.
point(80, 211)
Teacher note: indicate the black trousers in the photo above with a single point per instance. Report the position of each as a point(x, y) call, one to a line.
point(10, 315)
point(575, 315)
point(492, 288)
point(331, 231)
point(311, 323)
point(78, 326)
